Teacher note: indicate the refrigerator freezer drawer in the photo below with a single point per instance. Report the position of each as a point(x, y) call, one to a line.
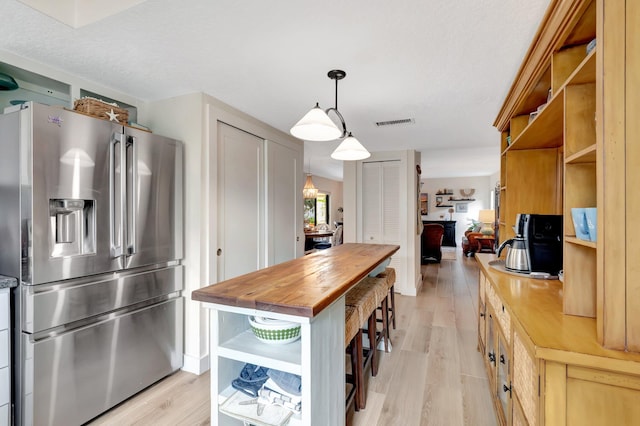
point(74, 377)
point(48, 306)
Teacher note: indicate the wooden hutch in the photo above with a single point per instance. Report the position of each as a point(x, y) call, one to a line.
point(570, 353)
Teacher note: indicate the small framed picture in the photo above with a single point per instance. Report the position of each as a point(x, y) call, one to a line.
point(462, 208)
point(438, 201)
point(424, 204)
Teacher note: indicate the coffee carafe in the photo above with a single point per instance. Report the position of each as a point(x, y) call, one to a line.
point(517, 259)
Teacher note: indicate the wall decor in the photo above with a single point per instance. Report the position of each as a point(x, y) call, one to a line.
point(462, 208)
point(424, 203)
point(438, 201)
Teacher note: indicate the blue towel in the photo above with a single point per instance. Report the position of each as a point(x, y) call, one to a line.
point(291, 383)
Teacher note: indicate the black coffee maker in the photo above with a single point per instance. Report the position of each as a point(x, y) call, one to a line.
point(543, 239)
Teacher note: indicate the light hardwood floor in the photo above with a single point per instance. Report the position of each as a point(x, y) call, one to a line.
point(433, 376)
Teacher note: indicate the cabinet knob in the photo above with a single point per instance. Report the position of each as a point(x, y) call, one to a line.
point(219, 252)
point(502, 359)
point(492, 358)
point(481, 314)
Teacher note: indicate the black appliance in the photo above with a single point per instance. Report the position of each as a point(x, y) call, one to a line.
point(543, 239)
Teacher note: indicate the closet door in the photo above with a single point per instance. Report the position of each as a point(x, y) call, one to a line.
point(381, 202)
point(240, 202)
point(284, 203)
point(381, 209)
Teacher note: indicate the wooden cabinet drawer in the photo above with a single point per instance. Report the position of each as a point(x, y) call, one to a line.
point(501, 313)
point(4, 348)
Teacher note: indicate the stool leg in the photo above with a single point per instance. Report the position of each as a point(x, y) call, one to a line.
point(356, 370)
point(373, 343)
point(358, 375)
point(385, 323)
point(393, 307)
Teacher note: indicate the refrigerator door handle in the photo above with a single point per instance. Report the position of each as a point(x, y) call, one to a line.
point(133, 213)
point(115, 233)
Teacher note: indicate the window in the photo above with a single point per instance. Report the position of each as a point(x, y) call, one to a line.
point(316, 210)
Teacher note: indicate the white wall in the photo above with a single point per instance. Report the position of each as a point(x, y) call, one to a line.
point(482, 186)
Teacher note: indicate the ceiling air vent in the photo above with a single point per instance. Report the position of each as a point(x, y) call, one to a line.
point(395, 122)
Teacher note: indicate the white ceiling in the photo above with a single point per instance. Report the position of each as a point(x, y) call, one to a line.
point(447, 64)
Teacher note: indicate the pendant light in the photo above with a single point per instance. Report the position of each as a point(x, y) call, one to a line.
point(350, 150)
point(317, 126)
point(309, 190)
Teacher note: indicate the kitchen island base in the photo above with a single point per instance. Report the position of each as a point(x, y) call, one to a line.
point(321, 345)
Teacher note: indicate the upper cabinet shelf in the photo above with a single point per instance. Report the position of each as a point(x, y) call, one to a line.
point(587, 155)
point(546, 130)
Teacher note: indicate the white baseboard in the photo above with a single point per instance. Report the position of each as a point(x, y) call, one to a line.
point(195, 365)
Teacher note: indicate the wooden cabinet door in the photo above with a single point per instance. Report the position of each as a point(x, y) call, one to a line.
point(598, 397)
point(518, 418)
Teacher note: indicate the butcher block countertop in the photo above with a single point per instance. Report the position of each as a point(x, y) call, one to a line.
point(302, 286)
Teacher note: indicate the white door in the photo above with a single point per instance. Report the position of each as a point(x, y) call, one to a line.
point(240, 202)
point(284, 203)
point(381, 202)
point(381, 209)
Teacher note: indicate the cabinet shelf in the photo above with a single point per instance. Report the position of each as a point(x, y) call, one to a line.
point(587, 155)
point(545, 131)
point(234, 408)
point(585, 72)
point(574, 240)
point(247, 348)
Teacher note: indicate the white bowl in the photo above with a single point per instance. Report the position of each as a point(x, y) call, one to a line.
point(274, 331)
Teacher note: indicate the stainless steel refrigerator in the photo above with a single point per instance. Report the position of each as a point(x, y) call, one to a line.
point(92, 226)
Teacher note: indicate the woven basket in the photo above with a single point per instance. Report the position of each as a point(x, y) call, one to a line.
point(99, 109)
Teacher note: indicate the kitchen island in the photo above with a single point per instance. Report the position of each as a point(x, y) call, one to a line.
point(309, 291)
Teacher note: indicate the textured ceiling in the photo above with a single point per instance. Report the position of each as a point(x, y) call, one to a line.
point(447, 64)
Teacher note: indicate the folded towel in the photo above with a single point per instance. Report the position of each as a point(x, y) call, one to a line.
point(251, 378)
point(270, 396)
point(273, 386)
point(289, 383)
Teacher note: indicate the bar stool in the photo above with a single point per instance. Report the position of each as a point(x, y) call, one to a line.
point(381, 291)
point(389, 275)
point(363, 299)
point(353, 345)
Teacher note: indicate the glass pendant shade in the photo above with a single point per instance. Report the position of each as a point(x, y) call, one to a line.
point(309, 190)
point(316, 126)
point(350, 150)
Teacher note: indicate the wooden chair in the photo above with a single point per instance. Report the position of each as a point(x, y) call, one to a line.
point(431, 242)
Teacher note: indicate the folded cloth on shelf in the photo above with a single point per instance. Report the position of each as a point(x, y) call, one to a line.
point(290, 383)
point(251, 379)
point(271, 394)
